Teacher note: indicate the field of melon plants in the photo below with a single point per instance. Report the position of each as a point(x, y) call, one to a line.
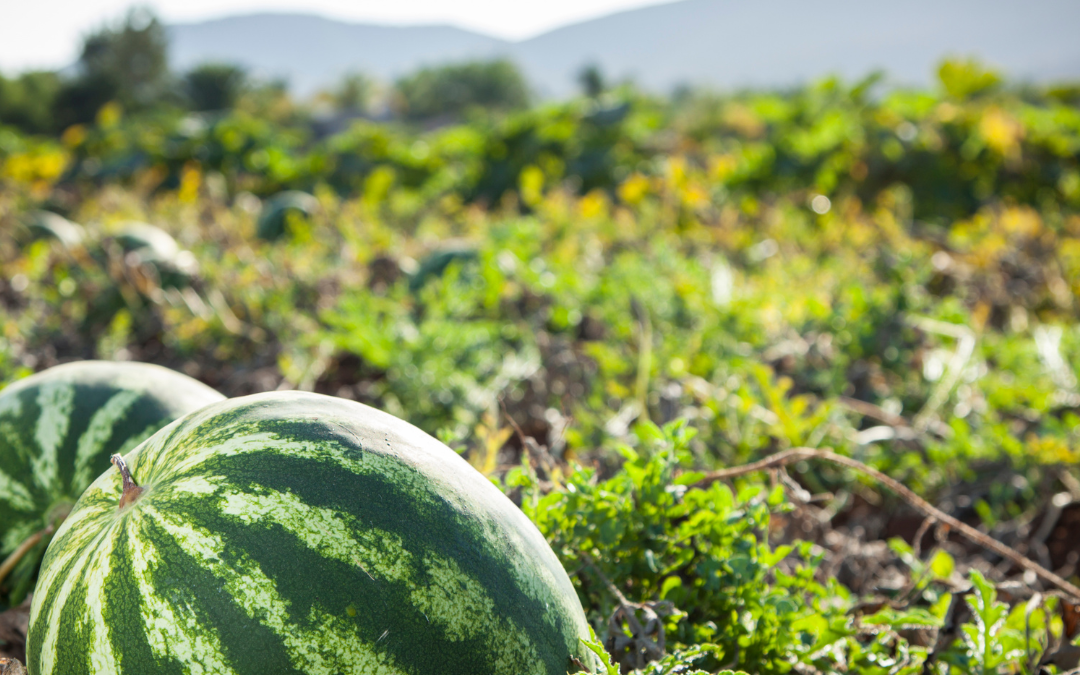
point(606, 306)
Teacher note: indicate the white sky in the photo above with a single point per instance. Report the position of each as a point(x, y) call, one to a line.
point(47, 33)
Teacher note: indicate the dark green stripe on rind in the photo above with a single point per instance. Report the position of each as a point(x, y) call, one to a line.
point(121, 588)
point(302, 532)
point(74, 630)
point(249, 647)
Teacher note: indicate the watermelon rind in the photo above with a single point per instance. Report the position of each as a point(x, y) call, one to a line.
point(297, 533)
point(59, 427)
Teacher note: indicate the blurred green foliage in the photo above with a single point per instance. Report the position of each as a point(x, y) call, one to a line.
point(450, 91)
point(214, 86)
point(354, 93)
point(26, 101)
point(126, 63)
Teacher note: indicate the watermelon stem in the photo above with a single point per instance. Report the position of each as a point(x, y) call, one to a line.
point(131, 490)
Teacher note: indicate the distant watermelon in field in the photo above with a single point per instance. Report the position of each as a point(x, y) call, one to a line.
point(298, 533)
point(283, 208)
point(156, 242)
point(58, 429)
point(48, 225)
point(145, 244)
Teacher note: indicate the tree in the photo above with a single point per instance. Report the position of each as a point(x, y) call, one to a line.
point(966, 78)
point(449, 91)
point(592, 82)
point(269, 100)
point(79, 99)
point(127, 64)
point(26, 101)
point(214, 86)
point(353, 93)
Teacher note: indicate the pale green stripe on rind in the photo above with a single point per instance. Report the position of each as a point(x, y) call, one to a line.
point(15, 493)
point(10, 406)
point(102, 659)
point(464, 608)
point(258, 597)
point(96, 551)
point(182, 458)
point(192, 485)
point(324, 531)
point(67, 546)
point(56, 401)
point(17, 535)
point(11, 436)
point(100, 429)
point(172, 629)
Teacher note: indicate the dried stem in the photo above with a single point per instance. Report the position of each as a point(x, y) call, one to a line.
point(870, 410)
point(627, 610)
point(927, 523)
point(131, 490)
point(24, 548)
point(611, 587)
point(920, 504)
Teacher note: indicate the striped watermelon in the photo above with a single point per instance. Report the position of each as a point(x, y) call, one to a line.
point(298, 533)
point(58, 428)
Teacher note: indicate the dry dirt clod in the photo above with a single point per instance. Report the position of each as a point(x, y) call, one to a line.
point(11, 667)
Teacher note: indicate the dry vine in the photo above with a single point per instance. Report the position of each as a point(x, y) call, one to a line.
point(24, 548)
point(639, 648)
point(787, 457)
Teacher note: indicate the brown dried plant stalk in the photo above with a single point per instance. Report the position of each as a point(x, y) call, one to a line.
point(787, 457)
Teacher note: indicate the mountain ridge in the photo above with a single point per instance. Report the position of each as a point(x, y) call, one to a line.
point(717, 43)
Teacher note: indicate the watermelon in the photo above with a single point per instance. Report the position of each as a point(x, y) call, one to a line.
point(298, 533)
point(58, 429)
point(152, 246)
point(48, 225)
point(275, 216)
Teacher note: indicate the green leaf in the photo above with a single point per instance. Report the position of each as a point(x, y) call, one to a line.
point(910, 618)
point(596, 647)
point(940, 608)
point(942, 565)
point(669, 584)
point(778, 554)
point(689, 477)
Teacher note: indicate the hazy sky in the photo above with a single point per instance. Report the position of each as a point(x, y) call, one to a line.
point(46, 33)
